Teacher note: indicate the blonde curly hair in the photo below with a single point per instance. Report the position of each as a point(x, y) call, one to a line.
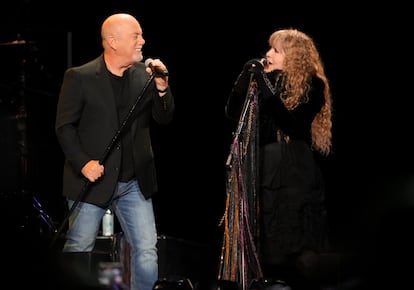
point(302, 61)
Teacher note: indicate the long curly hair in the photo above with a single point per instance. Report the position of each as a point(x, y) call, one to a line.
point(302, 61)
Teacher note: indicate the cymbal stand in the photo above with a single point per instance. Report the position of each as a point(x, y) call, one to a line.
point(22, 142)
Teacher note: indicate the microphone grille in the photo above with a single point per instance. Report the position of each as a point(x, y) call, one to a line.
point(148, 62)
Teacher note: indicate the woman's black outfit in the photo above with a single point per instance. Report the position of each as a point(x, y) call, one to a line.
point(291, 188)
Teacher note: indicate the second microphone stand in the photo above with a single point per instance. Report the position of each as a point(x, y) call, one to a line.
point(239, 248)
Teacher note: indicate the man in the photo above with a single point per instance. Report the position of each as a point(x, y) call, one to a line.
point(94, 101)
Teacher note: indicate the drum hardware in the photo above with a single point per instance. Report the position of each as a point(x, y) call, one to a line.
point(15, 94)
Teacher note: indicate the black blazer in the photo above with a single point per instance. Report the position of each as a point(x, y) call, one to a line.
point(87, 120)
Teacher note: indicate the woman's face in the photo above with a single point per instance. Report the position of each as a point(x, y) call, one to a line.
point(275, 57)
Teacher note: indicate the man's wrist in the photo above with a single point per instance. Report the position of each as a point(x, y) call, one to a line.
point(162, 91)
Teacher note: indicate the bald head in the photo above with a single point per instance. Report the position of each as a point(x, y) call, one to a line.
point(115, 24)
point(122, 41)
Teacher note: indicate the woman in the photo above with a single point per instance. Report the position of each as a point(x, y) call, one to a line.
point(293, 123)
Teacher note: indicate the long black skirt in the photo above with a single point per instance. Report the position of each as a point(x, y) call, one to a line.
point(292, 204)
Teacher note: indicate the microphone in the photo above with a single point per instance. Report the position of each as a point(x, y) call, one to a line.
point(155, 69)
point(253, 62)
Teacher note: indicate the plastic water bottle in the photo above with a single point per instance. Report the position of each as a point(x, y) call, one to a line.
point(108, 223)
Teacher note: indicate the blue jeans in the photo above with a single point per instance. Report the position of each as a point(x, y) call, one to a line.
point(136, 218)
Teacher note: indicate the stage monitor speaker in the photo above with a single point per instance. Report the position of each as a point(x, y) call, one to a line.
point(178, 259)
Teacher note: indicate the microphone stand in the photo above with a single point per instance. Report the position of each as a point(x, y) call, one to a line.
point(102, 159)
point(240, 209)
point(241, 122)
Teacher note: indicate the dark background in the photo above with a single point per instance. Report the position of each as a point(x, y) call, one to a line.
point(205, 44)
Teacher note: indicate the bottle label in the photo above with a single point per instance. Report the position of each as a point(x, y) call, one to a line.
point(108, 224)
